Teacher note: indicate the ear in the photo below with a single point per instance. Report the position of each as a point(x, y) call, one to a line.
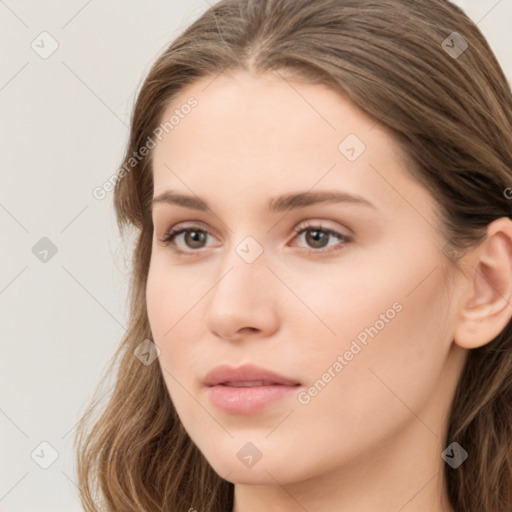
point(486, 306)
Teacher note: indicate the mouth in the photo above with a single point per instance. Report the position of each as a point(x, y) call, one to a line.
point(247, 384)
point(247, 389)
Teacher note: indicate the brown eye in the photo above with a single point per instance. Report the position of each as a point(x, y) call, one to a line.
point(317, 238)
point(194, 239)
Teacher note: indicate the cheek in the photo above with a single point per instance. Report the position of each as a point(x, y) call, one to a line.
point(393, 356)
point(175, 310)
point(392, 331)
point(171, 296)
point(172, 334)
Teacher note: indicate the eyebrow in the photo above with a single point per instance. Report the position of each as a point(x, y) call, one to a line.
point(282, 203)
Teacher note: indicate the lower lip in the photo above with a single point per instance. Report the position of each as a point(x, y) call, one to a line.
point(248, 400)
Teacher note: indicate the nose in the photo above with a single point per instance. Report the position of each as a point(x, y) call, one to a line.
point(243, 300)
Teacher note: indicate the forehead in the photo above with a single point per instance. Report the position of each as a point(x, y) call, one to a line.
point(273, 134)
point(267, 108)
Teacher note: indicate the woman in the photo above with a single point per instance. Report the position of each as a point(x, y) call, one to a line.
point(320, 310)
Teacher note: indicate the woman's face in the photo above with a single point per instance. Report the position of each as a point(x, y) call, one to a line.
point(346, 298)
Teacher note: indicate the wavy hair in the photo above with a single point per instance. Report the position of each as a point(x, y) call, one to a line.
point(451, 111)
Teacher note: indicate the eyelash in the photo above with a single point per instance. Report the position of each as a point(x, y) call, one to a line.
point(172, 233)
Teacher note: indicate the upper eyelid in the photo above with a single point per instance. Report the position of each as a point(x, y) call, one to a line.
point(305, 224)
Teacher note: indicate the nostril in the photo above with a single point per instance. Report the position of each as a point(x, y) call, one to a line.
point(248, 329)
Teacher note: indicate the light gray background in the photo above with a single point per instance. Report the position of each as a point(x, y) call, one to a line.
point(64, 128)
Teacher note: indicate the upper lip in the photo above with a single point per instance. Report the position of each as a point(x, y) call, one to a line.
point(225, 374)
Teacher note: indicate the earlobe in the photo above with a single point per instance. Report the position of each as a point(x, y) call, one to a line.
point(487, 308)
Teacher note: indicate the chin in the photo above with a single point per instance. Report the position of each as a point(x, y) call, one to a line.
point(269, 468)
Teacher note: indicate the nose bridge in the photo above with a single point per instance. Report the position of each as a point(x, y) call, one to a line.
point(243, 272)
point(242, 296)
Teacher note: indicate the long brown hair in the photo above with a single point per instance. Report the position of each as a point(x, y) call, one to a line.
point(449, 106)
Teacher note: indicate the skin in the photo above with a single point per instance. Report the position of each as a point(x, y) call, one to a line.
point(372, 438)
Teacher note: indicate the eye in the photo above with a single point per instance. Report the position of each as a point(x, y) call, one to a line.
point(194, 237)
point(317, 237)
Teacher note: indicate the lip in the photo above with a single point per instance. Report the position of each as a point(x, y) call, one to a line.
point(225, 374)
point(247, 389)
